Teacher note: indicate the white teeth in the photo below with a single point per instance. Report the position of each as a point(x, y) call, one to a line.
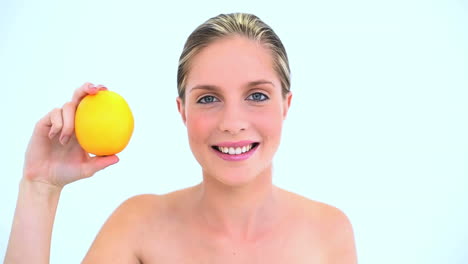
point(238, 150)
point(232, 151)
point(235, 151)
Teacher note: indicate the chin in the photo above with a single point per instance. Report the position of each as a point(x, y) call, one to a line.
point(234, 177)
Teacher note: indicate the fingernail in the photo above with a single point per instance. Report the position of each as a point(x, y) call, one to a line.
point(64, 140)
point(51, 135)
point(93, 90)
point(101, 87)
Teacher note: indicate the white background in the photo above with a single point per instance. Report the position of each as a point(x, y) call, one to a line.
point(378, 124)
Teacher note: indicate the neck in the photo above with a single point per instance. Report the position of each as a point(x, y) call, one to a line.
point(238, 212)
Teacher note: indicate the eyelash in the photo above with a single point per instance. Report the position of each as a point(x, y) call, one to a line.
point(263, 96)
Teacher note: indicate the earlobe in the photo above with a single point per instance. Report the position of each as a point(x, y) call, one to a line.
point(181, 109)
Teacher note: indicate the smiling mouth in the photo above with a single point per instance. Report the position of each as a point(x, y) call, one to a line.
point(236, 150)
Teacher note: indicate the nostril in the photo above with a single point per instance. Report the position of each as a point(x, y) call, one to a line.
point(233, 126)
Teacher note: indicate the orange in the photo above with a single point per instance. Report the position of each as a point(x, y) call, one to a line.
point(103, 123)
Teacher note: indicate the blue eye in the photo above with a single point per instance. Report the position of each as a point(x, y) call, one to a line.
point(258, 97)
point(207, 99)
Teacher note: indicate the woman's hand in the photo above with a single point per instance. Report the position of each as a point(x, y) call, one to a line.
point(54, 156)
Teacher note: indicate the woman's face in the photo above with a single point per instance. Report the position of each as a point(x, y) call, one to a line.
point(234, 109)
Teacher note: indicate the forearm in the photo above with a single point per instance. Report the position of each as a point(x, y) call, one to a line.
point(32, 224)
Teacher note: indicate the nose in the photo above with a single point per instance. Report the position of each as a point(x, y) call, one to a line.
point(233, 120)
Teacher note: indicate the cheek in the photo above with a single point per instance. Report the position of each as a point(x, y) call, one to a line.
point(270, 123)
point(198, 126)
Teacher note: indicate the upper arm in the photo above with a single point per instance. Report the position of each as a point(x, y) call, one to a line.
point(120, 238)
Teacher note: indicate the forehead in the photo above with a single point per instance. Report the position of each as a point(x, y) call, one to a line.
point(232, 61)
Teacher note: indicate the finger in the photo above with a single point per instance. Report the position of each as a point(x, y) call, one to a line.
point(85, 89)
point(44, 124)
point(97, 163)
point(68, 117)
point(101, 87)
point(55, 121)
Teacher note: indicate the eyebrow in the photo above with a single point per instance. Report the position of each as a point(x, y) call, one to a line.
point(210, 87)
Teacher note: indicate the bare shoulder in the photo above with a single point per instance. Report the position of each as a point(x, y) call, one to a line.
point(329, 226)
point(119, 239)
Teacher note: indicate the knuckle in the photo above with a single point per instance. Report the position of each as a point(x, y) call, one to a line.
point(68, 105)
point(55, 113)
point(56, 121)
point(87, 172)
point(59, 125)
point(38, 124)
point(56, 128)
point(86, 85)
point(67, 130)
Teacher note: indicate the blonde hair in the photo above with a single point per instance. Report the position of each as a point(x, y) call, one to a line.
point(224, 25)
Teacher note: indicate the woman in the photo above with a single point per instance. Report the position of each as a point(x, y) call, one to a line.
point(234, 93)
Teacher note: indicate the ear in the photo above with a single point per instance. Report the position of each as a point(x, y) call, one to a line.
point(286, 104)
point(181, 108)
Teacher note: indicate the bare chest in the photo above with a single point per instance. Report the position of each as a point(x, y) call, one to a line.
point(293, 246)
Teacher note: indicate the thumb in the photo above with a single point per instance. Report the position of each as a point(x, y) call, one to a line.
point(98, 163)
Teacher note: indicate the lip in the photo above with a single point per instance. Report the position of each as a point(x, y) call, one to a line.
point(239, 157)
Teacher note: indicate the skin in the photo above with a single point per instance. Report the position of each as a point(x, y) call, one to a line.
point(235, 215)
